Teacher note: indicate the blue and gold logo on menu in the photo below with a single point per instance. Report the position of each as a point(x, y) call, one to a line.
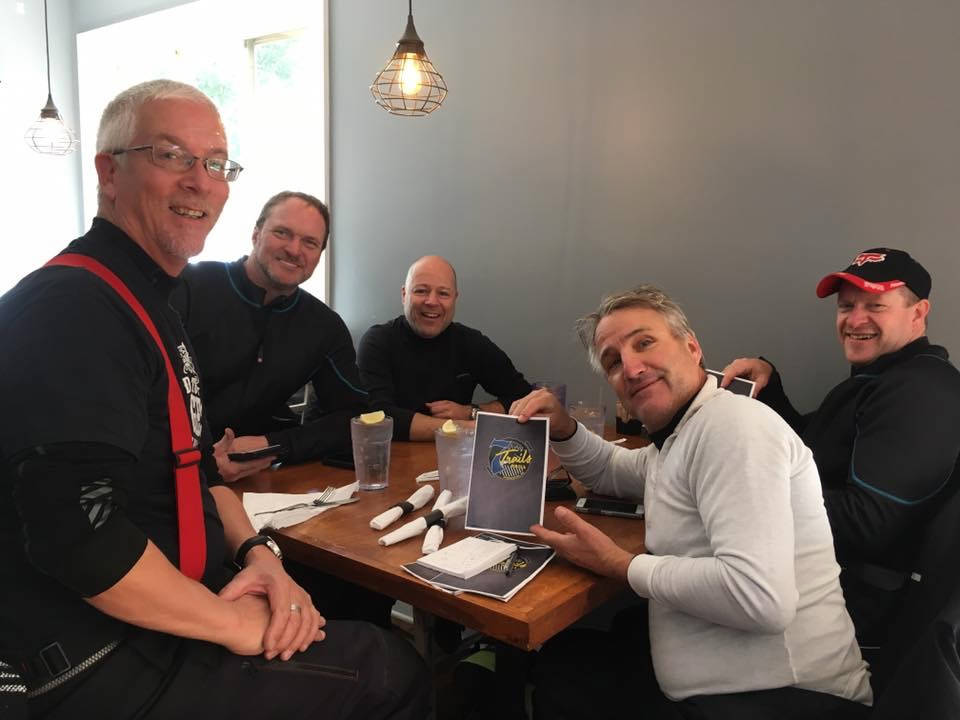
point(509, 459)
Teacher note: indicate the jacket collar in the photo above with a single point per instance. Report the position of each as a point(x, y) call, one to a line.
point(252, 293)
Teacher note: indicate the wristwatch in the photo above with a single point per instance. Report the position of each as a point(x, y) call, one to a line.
point(247, 545)
point(474, 409)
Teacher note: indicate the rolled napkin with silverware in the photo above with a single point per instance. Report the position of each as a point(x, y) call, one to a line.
point(280, 510)
point(415, 527)
point(416, 501)
point(434, 536)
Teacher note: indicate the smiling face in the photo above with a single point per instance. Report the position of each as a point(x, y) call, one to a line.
point(873, 324)
point(653, 372)
point(167, 213)
point(286, 248)
point(429, 296)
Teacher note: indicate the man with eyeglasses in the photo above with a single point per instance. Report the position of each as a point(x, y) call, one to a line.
point(117, 599)
point(422, 368)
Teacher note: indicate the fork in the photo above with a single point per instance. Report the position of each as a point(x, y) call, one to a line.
point(320, 500)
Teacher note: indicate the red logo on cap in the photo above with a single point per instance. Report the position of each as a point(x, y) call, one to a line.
point(863, 258)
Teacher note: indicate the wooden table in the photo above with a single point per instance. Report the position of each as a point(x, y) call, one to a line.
point(341, 542)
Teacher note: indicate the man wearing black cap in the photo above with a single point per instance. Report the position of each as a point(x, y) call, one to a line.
point(885, 440)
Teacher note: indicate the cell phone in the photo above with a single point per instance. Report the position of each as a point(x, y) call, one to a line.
point(618, 508)
point(738, 386)
point(339, 460)
point(268, 451)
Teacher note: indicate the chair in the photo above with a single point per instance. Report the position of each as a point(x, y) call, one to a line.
point(918, 671)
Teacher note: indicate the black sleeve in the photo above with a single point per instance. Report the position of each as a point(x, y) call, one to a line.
point(339, 395)
point(71, 499)
point(374, 359)
point(907, 444)
point(774, 397)
point(495, 372)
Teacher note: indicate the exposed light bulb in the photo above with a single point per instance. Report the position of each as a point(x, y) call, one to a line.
point(410, 78)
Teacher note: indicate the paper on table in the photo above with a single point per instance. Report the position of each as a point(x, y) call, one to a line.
point(260, 502)
point(468, 557)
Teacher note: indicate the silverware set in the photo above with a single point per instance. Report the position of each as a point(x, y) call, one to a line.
point(322, 500)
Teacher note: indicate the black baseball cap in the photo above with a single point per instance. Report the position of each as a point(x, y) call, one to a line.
point(880, 270)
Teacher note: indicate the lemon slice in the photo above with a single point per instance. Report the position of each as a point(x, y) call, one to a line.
point(449, 428)
point(372, 418)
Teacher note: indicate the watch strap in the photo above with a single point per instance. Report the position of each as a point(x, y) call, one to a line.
point(247, 545)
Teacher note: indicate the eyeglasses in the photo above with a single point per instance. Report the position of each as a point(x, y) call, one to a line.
point(175, 158)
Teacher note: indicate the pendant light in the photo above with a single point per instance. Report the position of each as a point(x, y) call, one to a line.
point(409, 84)
point(49, 135)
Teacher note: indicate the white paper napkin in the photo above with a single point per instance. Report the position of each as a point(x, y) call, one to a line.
point(420, 498)
point(259, 502)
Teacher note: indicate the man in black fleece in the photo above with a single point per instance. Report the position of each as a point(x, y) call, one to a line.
point(422, 368)
point(885, 440)
point(259, 337)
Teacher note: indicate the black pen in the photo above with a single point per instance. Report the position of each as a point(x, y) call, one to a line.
point(510, 561)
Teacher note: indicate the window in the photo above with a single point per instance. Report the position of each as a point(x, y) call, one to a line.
point(263, 64)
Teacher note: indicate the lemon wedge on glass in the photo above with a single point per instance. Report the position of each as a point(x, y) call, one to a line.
point(372, 418)
point(449, 428)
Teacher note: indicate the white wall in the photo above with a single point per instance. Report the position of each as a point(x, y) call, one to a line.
point(38, 193)
point(732, 152)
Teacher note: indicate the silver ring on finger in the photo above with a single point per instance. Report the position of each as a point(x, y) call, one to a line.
point(295, 608)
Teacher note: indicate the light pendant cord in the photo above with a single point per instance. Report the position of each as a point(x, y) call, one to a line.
point(46, 40)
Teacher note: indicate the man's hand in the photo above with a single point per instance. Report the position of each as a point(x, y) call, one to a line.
point(750, 368)
point(232, 471)
point(583, 544)
point(253, 615)
point(287, 630)
point(543, 402)
point(449, 409)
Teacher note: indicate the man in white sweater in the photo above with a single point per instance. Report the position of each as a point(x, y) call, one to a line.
point(746, 615)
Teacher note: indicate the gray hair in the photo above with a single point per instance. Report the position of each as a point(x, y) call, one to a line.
point(643, 296)
point(119, 120)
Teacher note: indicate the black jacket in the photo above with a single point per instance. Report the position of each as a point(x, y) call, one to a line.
point(404, 371)
point(886, 442)
point(254, 357)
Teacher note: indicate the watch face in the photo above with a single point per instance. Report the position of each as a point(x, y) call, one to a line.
point(274, 548)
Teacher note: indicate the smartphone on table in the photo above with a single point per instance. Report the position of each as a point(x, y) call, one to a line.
point(617, 508)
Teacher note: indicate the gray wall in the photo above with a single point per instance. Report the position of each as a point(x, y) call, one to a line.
point(732, 152)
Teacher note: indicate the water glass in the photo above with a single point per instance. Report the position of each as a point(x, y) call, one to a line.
point(371, 452)
point(593, 417)
point(454, 457)
point(558, 389)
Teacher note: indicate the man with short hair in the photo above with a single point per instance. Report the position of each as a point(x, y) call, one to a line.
point(116, 596)
point(259, 337)
point(885, 440)
point(422, 368)
point(746, 616)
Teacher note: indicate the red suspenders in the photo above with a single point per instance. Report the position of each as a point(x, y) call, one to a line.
point(193, 541)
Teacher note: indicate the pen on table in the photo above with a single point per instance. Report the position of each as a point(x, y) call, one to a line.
point(510, 561)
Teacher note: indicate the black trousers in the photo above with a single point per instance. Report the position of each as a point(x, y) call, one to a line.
point(609, 676)
point(358, 672)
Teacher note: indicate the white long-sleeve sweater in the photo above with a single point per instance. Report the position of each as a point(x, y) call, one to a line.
point(740, 568)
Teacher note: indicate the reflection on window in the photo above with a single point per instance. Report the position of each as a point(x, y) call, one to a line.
point(264, 67)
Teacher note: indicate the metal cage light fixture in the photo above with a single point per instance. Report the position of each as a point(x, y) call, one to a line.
point(409, 84)
point(49, 135)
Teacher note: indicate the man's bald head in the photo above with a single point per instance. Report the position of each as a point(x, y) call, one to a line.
point(429, 295)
